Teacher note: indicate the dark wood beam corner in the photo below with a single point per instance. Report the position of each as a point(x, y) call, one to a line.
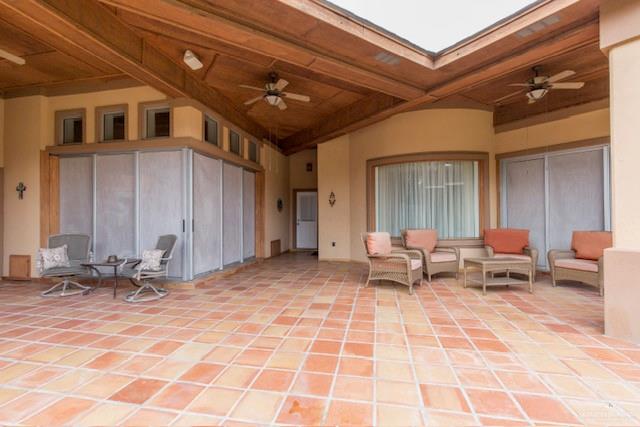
point(88, 29)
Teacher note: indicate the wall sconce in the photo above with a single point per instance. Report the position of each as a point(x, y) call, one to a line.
point(332, 199)
point(21, 188)
point(280, 205)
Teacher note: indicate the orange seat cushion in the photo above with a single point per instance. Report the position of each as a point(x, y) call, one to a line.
point(507, 240)
point(591, 244)
point(424, 239)
point(379, 243)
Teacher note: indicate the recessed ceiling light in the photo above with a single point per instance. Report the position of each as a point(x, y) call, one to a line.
point(191, 60)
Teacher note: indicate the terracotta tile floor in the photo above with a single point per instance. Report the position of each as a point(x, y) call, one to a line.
point(294, 341)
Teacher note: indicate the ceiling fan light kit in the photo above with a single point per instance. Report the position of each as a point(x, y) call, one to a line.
point(538, 86)
point(273, 93)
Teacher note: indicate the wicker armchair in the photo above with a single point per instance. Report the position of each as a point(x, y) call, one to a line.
point(435, 259)
point(497, 240)
point(584, 262)
point(398, 265)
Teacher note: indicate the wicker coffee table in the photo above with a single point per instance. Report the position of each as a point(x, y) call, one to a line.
point(487, 266)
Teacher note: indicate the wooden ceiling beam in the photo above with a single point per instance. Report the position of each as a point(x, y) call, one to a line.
point(354, 117)
point(96, 32)
point(206, 23)
point(503, 29)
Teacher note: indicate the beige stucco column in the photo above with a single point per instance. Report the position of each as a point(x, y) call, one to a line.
point(620, 40)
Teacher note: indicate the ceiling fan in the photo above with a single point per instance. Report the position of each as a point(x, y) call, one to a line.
point(538, 86)
point(273, 93)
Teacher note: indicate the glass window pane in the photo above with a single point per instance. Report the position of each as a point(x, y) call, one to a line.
point(113, 126)
point(211, 131)
point(72, 130)
point(443, 195)
point(158, 122)
point(234, 142)
point(253, 151)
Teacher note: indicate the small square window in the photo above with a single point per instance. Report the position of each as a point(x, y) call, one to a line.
point(72, 130)
point(235, 145)
point(158, 122)
point(211, 130)
point(253, 152)
point(113, 126)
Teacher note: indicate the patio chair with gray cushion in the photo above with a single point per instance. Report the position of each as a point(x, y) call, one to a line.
point(510, 243)
point(435, 259)
point(396, 265)
point(141, 276)
point(584, 262)
point(78, 250)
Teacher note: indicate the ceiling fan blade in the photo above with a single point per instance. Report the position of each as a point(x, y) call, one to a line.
point(281, 84)
point(282, 105)
point(261, 89)
point(520, 84)
point(512, 94)
point(567, 85)
point(560, 76)
point(254, 100)
point(297, 97)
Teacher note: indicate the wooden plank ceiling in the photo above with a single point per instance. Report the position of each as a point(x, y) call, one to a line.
point(354, 73)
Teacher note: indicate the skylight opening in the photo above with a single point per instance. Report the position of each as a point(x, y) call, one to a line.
point(432, 25)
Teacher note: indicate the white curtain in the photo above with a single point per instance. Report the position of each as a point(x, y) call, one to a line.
point(441, 195)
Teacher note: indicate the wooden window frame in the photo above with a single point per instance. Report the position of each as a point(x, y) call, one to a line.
point(99, 124)
point(143, 107)
point(442, 156)
point(206, 116)
point(60, 116)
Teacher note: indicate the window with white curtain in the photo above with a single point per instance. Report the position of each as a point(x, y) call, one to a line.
point(443, 195)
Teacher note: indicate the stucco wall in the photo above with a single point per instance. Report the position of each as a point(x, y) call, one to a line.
point(334, 221)
point(24, 137)
point(594, 124)
point(277, 223)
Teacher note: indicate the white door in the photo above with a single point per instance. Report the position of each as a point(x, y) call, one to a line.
point(307, 220)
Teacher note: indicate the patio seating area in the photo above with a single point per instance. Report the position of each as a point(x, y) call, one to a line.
point(312, 212)
point(297, 341)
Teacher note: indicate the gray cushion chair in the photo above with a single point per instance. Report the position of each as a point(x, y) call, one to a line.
point(78, 251)
point(140, 277)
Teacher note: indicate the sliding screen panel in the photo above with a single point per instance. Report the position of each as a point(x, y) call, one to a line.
point(249, 214)
point(162, 203)
point(525, 201)
point(115, 206)
point(232, 214)
point(576, 195)
point(76, 195)
point(207, 214)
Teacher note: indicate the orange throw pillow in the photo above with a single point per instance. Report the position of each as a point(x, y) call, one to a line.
point(506, 240)
point(591, 244)
point(379, 243)
point(426, 239)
